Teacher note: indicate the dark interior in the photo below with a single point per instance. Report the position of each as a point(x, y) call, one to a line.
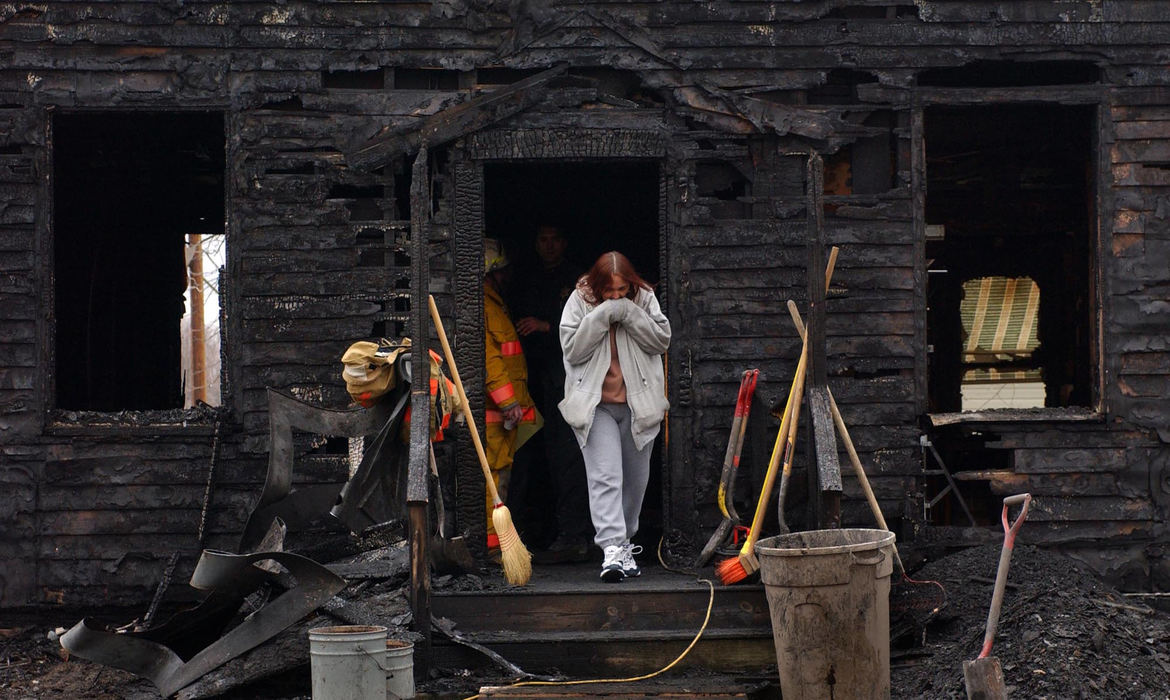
point(1011, 185)
point(599, 206)
point(127, 188)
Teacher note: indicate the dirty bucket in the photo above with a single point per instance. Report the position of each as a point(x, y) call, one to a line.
point(829, 598)
point(399, 669)
point(347, 662)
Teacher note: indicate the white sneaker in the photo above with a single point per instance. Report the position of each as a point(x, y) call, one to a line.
point(629, 566)
point(612, 567)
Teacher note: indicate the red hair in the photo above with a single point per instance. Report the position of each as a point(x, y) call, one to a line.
point(609, 264)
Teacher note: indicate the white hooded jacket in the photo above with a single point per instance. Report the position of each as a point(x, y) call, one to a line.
point(642, 335)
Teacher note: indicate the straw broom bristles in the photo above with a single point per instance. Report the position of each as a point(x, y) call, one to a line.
point(514, 556)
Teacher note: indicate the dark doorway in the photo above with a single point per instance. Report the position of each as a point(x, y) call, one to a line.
point(599, 206)
point(1010, 201)
point(130, 191)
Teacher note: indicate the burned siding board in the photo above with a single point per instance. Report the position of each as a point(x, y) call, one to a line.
point(339, 330)
point(138, 571)
point(291, 261)
point(892, 279)
point(155, 471)
point(1005, 483)
point(1104, 508)
point(1028, 461)
point(320, 240)
point(762, 321)
point(336, 284)
point(100, 547)
point(1038, 11)
point(139, 497)
point(305, 307)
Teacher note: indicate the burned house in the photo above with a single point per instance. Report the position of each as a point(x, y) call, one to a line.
point(203, 201)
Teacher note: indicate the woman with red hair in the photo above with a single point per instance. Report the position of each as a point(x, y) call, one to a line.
point(613, 335)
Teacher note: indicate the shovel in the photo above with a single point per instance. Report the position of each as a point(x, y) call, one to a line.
point(449, 555)
point(984, 675)
point(743, 403)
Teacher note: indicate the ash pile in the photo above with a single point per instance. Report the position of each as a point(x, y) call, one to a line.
point(1063, 633)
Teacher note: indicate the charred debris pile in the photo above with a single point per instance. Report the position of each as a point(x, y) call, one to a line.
point(1063, 633)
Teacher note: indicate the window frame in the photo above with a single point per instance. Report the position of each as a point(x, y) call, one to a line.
point(1091, 96)
point(198, 420)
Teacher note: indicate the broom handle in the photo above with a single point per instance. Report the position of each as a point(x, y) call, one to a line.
point(467, 415)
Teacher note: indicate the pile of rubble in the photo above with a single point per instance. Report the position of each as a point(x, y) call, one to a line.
point(1062, 632)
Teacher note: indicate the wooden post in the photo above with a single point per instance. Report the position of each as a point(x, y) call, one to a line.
point(420, 418)
point(824, 469)
point(198, 343)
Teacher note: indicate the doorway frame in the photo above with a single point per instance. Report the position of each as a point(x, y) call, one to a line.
point(539, 144)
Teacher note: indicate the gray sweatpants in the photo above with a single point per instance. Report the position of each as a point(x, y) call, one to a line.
point(617, 473)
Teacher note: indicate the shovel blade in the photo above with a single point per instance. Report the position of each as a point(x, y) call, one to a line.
point(984, 679)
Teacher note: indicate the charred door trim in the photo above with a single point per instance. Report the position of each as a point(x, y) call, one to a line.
point(537, 144)
point(1086, 95)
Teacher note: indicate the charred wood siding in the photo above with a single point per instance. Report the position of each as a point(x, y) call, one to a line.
point(95, 506)
point(736, 276)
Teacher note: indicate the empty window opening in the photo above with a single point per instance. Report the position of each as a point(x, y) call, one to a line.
point(1008, 207)
point(138, 202)
point(599, 206)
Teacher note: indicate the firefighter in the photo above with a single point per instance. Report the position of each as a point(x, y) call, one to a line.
point(510, 417)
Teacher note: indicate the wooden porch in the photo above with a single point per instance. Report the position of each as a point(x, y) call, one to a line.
point(568, 623)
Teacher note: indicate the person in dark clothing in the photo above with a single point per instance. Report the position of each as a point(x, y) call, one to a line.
point(542, 292)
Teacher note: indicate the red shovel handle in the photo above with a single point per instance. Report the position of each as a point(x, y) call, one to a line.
point(1009, 531)
point(1005, 559)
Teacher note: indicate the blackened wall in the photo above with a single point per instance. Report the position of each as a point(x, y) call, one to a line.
point(739, 92)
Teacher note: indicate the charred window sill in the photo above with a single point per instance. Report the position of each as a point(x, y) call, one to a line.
point(1018, 415)
point(189, 421)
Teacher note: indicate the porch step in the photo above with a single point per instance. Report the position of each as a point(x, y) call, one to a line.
point(567, 621)
point(717, 688)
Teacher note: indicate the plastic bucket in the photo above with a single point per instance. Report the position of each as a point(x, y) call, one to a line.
point(829, 599)
point(347, 662)
point(399, 669)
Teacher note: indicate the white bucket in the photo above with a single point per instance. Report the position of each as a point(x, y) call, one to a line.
point(399, 669)
point(347, 662)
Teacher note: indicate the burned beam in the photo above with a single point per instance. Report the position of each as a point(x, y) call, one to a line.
point(460, 120)
point(420, 419)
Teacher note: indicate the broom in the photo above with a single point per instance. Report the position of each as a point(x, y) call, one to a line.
point(514, 556)
point(736, 569)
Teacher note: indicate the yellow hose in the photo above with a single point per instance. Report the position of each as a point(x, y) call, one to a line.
point(664, 669)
